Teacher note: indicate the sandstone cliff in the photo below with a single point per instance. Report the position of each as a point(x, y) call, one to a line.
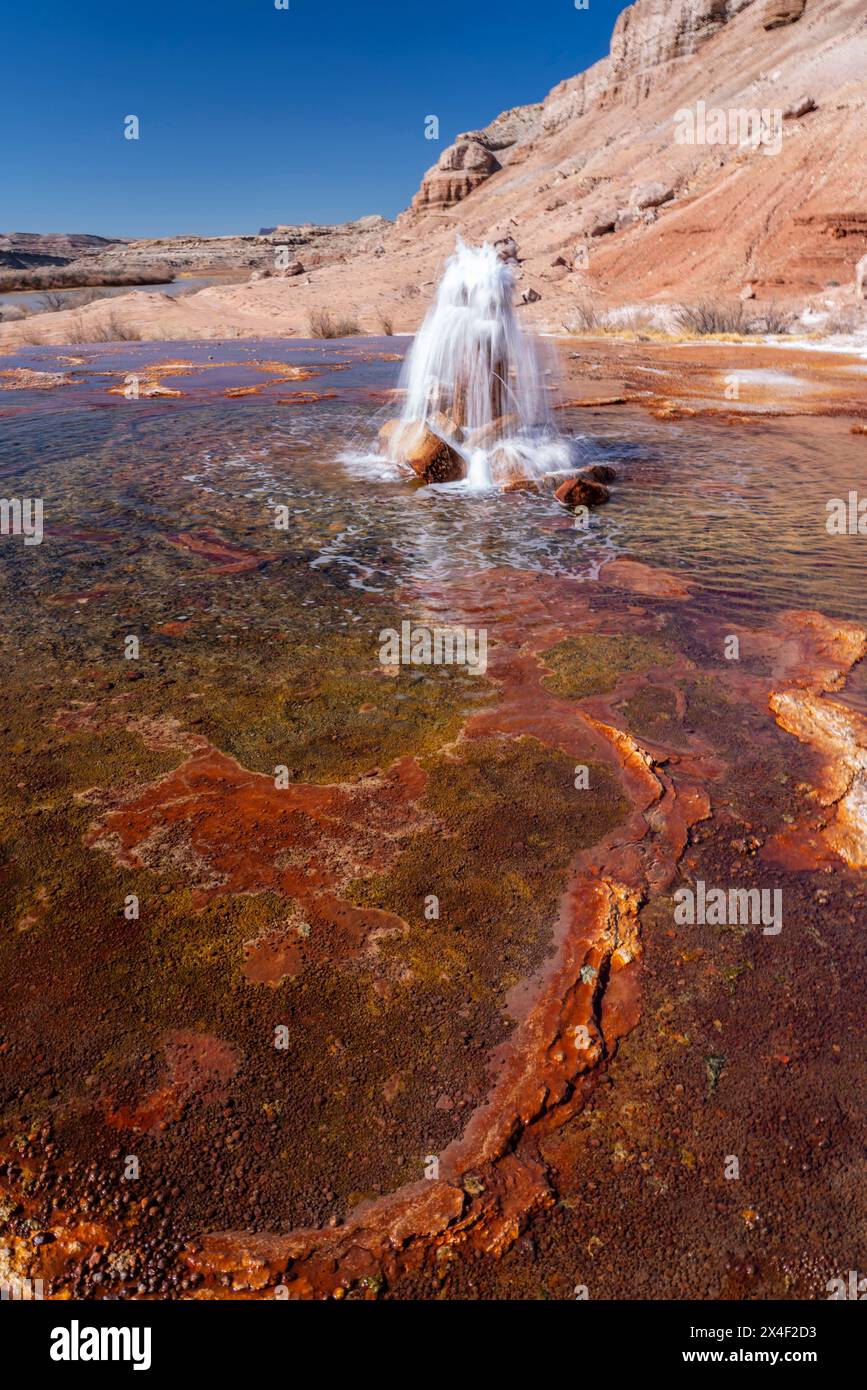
point(607, 198)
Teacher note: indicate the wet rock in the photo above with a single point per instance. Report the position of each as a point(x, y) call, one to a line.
point(520, 485)
point(581, 492)
point(430, 458)
point(599, 473)
point(446, 427)
point(861, 278)
point(388, 435)
point(499, 428)
point(507, 465)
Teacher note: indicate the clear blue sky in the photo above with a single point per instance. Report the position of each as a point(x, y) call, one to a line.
point(253, 116)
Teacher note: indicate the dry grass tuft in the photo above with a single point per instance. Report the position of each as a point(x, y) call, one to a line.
point(323, 324)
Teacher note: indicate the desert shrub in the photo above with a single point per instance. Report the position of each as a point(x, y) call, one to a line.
point(113, 330)
point(76, 299)
point(76, 332)
point(585, 320)
point(775, 321)
point(51, 301)
point(323, 324)
point(844, 321)
point(708, 317)
point(29, 337)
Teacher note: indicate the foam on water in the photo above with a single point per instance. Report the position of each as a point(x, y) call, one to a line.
point(471, 366)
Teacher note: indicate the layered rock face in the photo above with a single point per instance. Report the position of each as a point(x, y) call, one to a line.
point(780, 12)
point(459, 169)
point(594, 198)
point(652, 34)
point(597, 161)
point(319, 245)
point(28, 250)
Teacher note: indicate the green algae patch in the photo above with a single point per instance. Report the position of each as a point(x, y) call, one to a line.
point(593, 663)
point(651, 712)
point(710, 709)
point(337, 719)
point(509, 822)
point(758, 784)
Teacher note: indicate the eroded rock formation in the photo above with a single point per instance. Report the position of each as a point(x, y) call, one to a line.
point(778, 13)
point(459, 169)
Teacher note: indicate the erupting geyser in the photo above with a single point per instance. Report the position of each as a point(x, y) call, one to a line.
point(476, 396)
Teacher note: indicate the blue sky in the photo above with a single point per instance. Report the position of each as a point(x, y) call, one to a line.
point(252, 116)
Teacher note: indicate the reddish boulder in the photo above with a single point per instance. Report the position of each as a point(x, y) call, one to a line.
point(388, 437)
point(599, 473)
point(498, 428)
point(581, 492)
point(430, 457)
point(415, 445)
point(520, 485)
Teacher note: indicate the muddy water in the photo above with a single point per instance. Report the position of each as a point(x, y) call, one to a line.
point(258, 651)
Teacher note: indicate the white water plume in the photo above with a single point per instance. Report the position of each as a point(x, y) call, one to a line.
point(475, 380)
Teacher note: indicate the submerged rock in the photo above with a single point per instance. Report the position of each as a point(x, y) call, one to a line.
point(499, 428)
point(581, 492)
point(520, 485)
point(446, 427)
point(599, 473)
